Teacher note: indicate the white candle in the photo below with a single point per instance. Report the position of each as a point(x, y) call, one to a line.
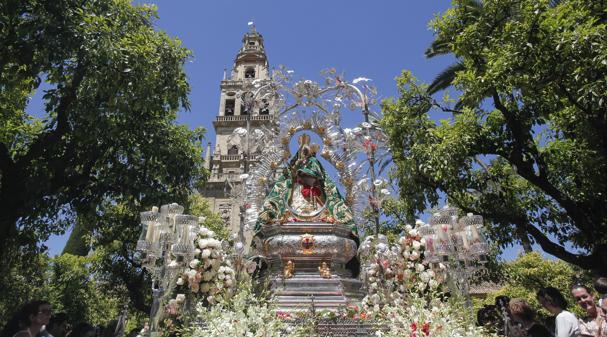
point(185, 234)
point(149, 236)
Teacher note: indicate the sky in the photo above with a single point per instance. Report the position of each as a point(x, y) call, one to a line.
point(376, 40)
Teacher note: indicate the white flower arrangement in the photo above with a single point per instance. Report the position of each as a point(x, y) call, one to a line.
point(392, 272)
point(209, 275)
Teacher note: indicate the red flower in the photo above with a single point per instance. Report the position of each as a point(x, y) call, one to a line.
point(368, 144)
point(308, 192)
point(413, 330)
point(426, 328)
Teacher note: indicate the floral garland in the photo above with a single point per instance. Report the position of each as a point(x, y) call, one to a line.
point(207, 279)
point(394, 271)
point(210, 275)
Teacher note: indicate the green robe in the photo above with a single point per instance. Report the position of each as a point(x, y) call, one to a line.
point(276, 204)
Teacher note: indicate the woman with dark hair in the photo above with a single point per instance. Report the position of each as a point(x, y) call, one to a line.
point(566, 324)
point(593, 324)
point(29, 320)
point(525, 315)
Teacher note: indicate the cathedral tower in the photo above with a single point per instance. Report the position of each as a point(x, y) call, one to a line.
point(235, 151)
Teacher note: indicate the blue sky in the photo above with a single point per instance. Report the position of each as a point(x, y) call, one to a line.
point(376, 40)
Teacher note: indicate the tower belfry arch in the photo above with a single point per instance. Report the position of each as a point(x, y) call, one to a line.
point(235, 151)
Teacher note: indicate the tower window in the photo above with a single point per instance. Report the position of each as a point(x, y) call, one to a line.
point(229, 108)
point(265, 107)
point(233, 150)
point(249, 73)
point(243, 110)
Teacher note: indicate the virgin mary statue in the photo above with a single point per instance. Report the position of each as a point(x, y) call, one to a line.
point(304, 193)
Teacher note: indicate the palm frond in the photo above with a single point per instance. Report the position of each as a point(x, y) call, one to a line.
point(438, 47)
point(445, 78)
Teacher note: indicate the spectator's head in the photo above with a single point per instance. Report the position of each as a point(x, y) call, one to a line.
point(82, 330)
point(502, 301)
point(552, 300)
point(57, 326)
point(35, 313)
point(600, 285)
point(583, 297)
point(604, 305)
point(521, 311)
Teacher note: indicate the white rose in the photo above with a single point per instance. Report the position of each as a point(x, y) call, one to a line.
point(194, 263)
point(419, 267)
point(197, 252)
point(180, 281)
point(203, 243)
point(408, 228)
point(229, 283)
point(414, 255)
point(416, 245)
point(423, 241)
point(205, 253)
point(406, 254)
point(180, 298)
point(414, 232)
point(433, 283)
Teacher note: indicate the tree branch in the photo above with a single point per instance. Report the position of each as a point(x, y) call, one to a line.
point(6, 162)
point(525, 169)
point(583, 261)
point(62, 110)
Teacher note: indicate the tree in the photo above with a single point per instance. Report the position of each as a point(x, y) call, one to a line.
point(524, 276)
point(108, 137)
point(69, 283)
point(526, 147)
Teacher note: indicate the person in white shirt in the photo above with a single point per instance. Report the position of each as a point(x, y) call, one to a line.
point(566, 324)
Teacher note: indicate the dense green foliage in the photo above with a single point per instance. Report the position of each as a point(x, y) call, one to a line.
point(526, 144)
point(524, 276)
point(106, 145)
point(70, 284)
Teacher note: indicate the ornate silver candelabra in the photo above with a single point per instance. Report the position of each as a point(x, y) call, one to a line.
point(166, 244)
point(456, 247)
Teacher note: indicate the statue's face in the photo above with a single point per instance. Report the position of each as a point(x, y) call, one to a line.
point(307, 180)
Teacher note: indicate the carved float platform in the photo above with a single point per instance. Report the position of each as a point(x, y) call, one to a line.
point(305, 279)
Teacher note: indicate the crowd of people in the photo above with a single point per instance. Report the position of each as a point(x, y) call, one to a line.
point(36, 319)
point(517, 318)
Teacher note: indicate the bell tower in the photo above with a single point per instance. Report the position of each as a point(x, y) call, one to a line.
point(240, 115)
